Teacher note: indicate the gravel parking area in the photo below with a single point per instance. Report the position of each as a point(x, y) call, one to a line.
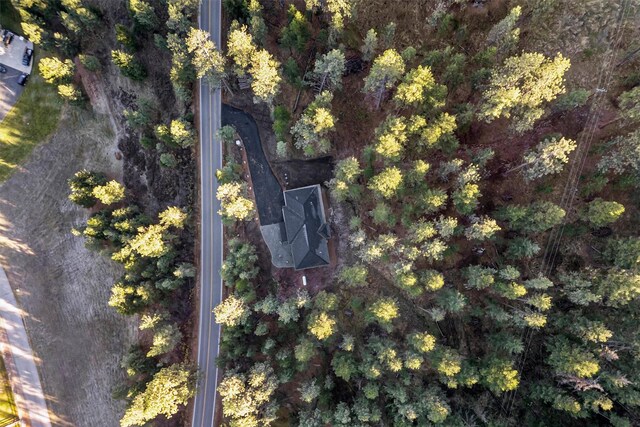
point(12, 55)
point(11, 59)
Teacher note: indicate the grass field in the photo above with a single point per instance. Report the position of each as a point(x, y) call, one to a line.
point(33, 118)
point(8, 412)
point(35, 115)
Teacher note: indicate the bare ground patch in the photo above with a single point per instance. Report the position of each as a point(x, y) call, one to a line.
point(61, 285)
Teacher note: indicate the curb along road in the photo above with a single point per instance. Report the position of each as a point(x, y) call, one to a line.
point(20, 361)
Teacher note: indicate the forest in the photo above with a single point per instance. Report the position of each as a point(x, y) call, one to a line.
point(486, 161)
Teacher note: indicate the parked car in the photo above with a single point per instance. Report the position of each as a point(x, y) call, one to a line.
point(2, 69)
point(22, 79)
point(7, 37)
point(26, 57)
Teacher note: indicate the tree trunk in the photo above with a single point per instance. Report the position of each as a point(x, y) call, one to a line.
point(515, 169)
point(609, 122)
point(324, 79)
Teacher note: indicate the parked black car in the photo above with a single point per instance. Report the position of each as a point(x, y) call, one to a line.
point(22, 79)
point(3, 69)
point(26, 57)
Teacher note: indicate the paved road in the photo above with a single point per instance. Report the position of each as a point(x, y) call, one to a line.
point(21, 364)
point(10, 90)
point(210, 232)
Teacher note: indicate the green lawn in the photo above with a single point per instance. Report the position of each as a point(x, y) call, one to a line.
point(8, 412)
point(35, 115)
point(33, 118)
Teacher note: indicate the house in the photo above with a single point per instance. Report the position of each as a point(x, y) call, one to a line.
point(305, 227)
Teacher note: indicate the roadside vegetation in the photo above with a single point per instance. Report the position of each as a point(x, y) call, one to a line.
point(150, 236)
point(8, 410)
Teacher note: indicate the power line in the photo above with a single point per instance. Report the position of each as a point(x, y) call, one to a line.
point(571, 186)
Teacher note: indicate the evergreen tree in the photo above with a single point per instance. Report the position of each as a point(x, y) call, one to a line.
point(419, 87)
point(521, 87)
point(55, 71)
point(240, 263)
point(309, 391)
point(623, 155)
point(166, 335)
point(143, 14)
point(549, 157)
point(465, 198)
point(369, 45)
point(296, 34)
point(266, 77)
point(170, 388)
point(484, 228)
point(240, 47)
point(383, 311)
point(128, 65)
point(207, 60)
point(499, 375)
point(328, 71)
point(343, 185)
point(505, 34)
point(629, 102)
point(231, 312)
point(535, 218)
point(247, 398)
point(385, 72)
point(623, 252)
point(391, 137)
point(256, 21)
point(343, 365)
point(82, 184)
point(387, 183)
point(109, 193)
point(601, 212)
point(234, 203)
point(310, 131)
point(521, 247)
point(322, 325)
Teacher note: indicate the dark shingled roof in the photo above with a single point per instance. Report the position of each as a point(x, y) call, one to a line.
point(306, 227)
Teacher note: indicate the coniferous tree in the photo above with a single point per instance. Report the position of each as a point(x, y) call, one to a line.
point(170, 388)
point(547, 158)
point(385, 72)
point(328, 70)
point(207, 60)
point(521, 86)
point(369, 45)
point(310, 131)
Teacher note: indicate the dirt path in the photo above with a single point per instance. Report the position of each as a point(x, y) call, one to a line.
point(20, 362)
point(61, 286)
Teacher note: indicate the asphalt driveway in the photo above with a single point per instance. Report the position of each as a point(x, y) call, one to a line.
point(10, 90)
point(269, 197)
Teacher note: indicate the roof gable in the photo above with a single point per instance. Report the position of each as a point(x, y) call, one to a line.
point(306, 227)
